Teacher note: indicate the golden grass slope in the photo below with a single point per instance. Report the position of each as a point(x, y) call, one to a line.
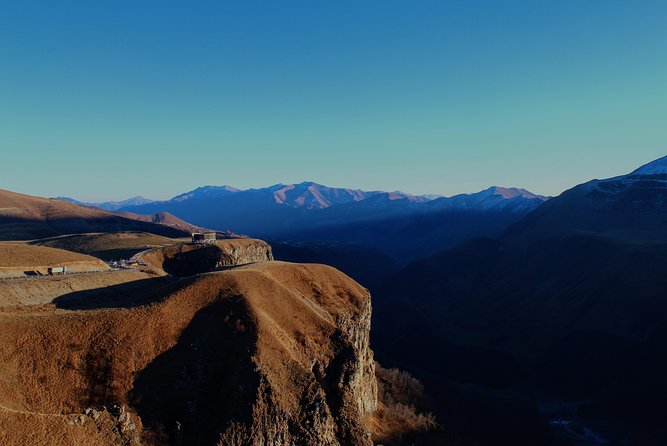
point(27, 207)
point(102, 241)
point(109, 246)
point(270, 351)
point(20, 254)
point(17, 258)
point(26, 217)
point(44, 290)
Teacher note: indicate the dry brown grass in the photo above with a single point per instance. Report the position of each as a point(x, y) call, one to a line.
point(399, 396)
point(17, 260)
point(43, 290)
point(109, 246)
point(19, 254)
point(278, 318)
point(27, 207)
point(26, 217)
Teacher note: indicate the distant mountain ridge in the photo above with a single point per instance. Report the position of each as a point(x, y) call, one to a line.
point(307, 194)
point(311, 196)
point(111, 205)
point(400, 224)
point(492, 198)
point(657, 167)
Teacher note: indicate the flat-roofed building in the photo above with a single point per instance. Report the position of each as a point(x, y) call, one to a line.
point(204, 237)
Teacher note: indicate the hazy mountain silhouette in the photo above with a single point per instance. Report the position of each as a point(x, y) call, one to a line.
point(403, 226)
point(111, 205)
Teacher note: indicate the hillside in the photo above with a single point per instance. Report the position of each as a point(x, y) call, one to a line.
point(163, 218)
point(364, 264)
point(109, 246)
point(627, 207)
point(19, 254)
point(568, 305)
point(407, 232)
point(20, 259)
point(195, 349)
point(25, 217)
point(272, 350)
point(44, 290)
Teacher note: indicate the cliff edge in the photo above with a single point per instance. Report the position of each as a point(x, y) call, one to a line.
point(266, 354)
point(188, 259)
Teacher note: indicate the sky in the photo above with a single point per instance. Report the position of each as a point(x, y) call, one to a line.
point(106, 100)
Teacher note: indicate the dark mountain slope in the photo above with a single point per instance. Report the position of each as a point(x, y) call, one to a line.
point(552, 286)
point(367, 266)
point(575, 292)
point(413, 235)
point(629, 207)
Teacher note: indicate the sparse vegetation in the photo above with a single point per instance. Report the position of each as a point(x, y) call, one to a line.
point(109, 246)
point(402, 407)
point(18, 254)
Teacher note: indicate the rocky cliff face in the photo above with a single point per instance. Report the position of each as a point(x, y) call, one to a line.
point(265, 354)
point(242, 252)
point(314, 376)
point(189, 259)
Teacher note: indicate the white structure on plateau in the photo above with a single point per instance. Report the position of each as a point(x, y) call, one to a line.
point(204, 237)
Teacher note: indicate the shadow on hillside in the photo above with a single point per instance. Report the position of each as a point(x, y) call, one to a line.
point(16, 228)
point(125, 295)
point(204, 384)
point(201, 259)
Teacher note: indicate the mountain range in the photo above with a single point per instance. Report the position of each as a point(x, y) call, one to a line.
point(313, 196)
point(111, 205)
point(403, 226)
point(566, 309)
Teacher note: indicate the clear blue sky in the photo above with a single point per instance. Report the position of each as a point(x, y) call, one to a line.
point(106, 99)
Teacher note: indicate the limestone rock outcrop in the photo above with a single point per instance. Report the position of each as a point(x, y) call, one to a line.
point(190, 259)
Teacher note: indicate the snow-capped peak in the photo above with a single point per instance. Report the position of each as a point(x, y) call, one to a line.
point(657, 167)
point(209, 191)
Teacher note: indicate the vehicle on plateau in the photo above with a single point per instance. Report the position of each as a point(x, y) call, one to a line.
point(57, 270)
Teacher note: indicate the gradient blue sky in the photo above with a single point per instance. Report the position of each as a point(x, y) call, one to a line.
point(103, 100)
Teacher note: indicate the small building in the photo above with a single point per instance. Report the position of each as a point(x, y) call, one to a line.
point(204, 237)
